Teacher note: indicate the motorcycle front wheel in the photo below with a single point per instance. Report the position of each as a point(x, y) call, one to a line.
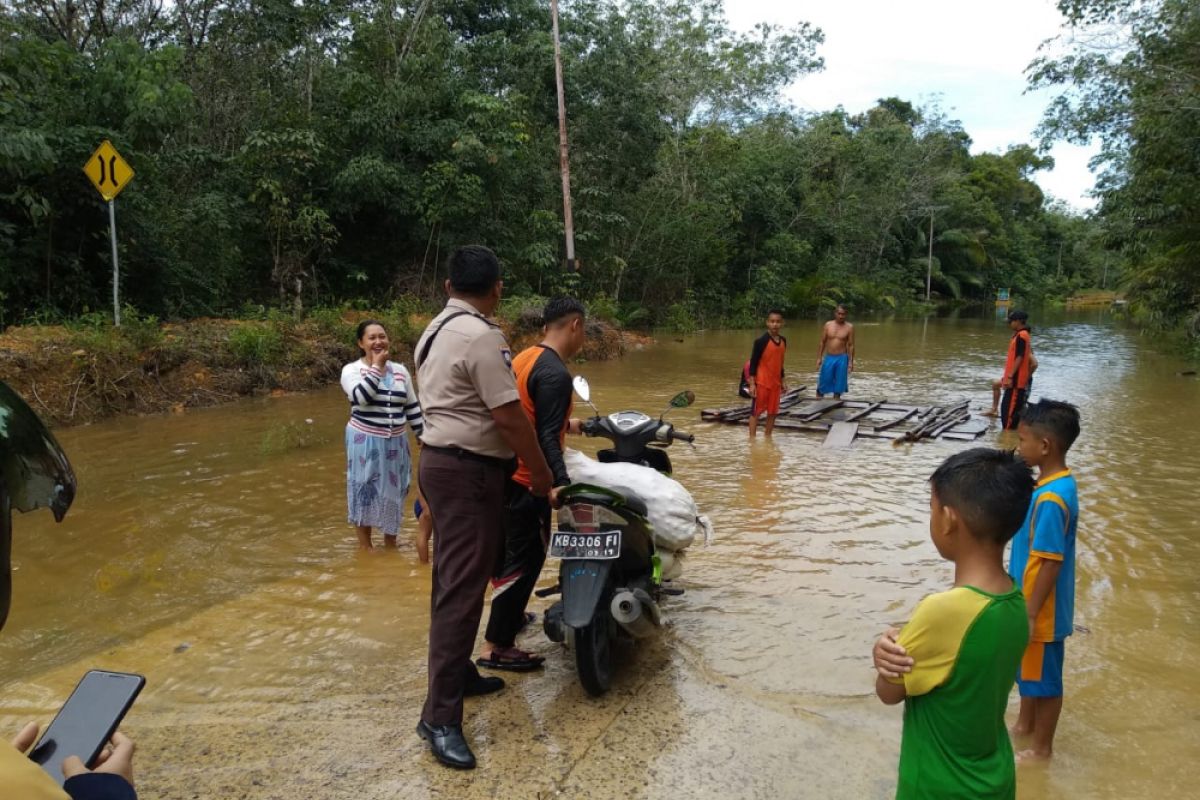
point(593, 652)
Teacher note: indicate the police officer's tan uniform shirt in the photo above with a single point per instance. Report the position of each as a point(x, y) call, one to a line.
point(467, 373)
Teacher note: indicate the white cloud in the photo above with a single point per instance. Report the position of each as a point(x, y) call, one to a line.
point(967, 55)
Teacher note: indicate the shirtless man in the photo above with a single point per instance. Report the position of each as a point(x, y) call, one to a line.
point(835, 356)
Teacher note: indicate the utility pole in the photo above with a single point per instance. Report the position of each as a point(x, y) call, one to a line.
point(1060, 247)
point(929, 266)
point(568, 221)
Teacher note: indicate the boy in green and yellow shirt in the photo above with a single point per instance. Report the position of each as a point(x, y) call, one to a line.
point(955, 662)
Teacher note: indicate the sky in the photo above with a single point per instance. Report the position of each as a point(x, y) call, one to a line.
point(967, 56)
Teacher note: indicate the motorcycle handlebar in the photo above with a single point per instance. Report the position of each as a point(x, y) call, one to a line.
point(683, 437)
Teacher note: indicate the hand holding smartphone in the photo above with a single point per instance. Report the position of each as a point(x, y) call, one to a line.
point(87, 721)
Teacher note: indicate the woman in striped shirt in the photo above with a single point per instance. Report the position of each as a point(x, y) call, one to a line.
point(383, 405)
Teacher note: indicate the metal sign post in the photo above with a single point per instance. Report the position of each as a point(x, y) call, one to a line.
point(109, 173)
point(112, 234)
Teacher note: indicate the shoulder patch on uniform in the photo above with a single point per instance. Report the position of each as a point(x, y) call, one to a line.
point(508, 356)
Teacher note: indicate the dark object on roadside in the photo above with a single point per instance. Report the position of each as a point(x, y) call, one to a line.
point(34, 468)
point(1187, 373)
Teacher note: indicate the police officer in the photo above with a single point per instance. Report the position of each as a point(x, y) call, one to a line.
point(474, 424)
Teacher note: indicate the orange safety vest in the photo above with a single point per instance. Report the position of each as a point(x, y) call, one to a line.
point(1022, 378)
point(523, 365)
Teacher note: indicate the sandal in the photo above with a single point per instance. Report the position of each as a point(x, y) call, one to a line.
point(511, 659)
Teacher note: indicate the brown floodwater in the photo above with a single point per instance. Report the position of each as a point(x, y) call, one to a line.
point(209, 551)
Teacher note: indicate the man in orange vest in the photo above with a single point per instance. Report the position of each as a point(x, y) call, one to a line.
point(544, 385)
point(1017, 370)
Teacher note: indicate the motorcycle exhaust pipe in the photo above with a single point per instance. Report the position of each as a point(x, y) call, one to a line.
point(636, 612)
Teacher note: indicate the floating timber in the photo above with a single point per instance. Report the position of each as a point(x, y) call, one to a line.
point(842, 421)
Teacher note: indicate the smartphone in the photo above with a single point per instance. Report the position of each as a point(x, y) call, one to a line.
point(87, 720)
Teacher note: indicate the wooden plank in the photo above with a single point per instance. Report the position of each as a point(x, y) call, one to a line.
point(841, 434)
point(972, 427)
point(945, 425)
point(818, 409)
point(733, 413)
point(937, 421)
point(894, 422)
point(869, 409)
point(898, 408)
point(823, 427)
point(796, 425)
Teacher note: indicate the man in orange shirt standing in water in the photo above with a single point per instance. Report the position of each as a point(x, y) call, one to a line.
point(766, 373)
point(1018, 371)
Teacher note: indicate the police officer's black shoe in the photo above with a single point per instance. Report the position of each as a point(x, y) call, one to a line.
point(482, 684)
point(447, 744)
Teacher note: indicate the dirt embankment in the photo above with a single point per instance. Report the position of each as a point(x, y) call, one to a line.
point(79, 374)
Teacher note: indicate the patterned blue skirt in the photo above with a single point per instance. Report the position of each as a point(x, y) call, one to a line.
point(378, 472)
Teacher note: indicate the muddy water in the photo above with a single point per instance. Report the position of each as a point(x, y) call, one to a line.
point(209, 551)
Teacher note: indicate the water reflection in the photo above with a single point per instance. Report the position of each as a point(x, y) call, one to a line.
point(210, 550)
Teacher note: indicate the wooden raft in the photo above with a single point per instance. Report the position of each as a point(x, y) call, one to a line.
point(842, 421)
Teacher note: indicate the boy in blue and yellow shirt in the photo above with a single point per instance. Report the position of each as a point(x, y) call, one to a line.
point(954, 663)
point(1043, 564)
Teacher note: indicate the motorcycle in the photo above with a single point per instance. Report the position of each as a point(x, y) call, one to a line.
point(611, 575)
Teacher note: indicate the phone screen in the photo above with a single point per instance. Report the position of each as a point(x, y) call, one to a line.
point(87, 720)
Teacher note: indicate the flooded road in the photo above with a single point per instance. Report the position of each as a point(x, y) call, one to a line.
point(209, 551)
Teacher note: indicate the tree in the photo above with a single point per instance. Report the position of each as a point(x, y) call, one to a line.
point(1132, 80)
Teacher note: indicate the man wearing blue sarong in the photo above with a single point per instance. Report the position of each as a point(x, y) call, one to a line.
point(835, 356)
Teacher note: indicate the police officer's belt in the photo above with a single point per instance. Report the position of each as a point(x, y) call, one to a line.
point(458, 452)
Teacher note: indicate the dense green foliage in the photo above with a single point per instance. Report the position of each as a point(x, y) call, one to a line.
point(311, 152)
point(1132, 78)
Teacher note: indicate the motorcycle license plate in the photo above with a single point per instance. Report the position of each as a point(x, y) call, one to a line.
point(567, 545)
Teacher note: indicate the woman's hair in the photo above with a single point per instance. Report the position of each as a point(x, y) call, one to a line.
point(362, 330)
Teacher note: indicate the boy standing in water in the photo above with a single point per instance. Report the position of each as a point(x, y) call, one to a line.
point(835, 355)
point(766, 384)
point(1043, 565)
point(954, 663)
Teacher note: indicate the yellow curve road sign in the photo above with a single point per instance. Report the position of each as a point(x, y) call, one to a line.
point(108, 172)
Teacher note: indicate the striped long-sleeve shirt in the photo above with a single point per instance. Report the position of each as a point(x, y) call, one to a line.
point(377, 410)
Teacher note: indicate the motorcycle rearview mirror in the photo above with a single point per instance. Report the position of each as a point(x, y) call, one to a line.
point(681, 400)
point(582, 388)
point(584, 391)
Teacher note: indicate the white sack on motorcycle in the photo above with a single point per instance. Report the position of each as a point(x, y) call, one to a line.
point(671, 509)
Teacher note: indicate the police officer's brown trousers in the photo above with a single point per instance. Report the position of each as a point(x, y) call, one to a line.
point(466, 498)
